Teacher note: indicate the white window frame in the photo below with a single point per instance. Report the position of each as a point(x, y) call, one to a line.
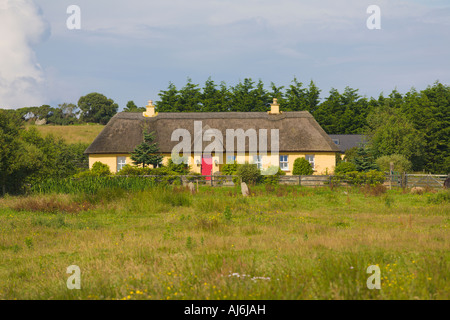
point(311, 159)
point(257, 159)
point(284, 164)
point(121, 162)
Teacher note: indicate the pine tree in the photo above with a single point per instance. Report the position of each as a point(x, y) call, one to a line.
point(364, 160)
point(147, 152)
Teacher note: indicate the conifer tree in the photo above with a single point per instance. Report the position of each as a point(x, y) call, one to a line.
point(147, 152)
point(364, 160)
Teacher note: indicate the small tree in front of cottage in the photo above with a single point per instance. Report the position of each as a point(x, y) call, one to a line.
point(147, 152)
point(302, 167)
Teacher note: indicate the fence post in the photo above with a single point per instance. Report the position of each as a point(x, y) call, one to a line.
point(212, 184)
point(403, 180)
point(299, 180)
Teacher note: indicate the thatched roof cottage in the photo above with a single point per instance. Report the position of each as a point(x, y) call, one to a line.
point(297, 134)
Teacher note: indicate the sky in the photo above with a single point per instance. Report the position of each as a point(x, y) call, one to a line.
point(131, 50)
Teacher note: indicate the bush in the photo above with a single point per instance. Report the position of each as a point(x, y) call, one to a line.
point(129, 170)
point(372, 177)
point(162, 171)
point(100, 169)
point(302, 167)
point(273, 179)
point(229, 169)
point(193, 176)
point(182, 168)
point(249, 173)
point(401, 164)
point(344, 167)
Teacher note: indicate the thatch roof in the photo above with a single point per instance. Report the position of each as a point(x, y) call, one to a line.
point(298, 131)
point(348, 141)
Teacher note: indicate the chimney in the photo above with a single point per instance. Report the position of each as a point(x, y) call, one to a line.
point(274, 107)
point(150, 110)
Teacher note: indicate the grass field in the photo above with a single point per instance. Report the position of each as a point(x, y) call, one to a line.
point(280, 243)
point(85, 133)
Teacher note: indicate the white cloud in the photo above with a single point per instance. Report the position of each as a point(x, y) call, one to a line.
point(21, 77)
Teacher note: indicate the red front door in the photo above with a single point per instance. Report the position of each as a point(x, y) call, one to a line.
point(206, 167)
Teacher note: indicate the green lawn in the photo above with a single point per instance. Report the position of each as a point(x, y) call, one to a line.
point(286, 243)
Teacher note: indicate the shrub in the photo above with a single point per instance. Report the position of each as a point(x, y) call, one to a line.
point(344, 167)
point(129, 170)
point(193, 176)
point(181, 168)
point(401, 164)
point(162, 171)
point(249, 173)
point(100, 169)
point(83, 174)
point(372, 177)
point(273, 179)
point(229, 169)
point(302, 167)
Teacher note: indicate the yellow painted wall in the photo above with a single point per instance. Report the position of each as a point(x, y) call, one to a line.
point(324, 161)
point(108, 159)
point(111, 160)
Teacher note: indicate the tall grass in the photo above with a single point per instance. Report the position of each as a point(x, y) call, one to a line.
point(283, 242)
point(92, 185)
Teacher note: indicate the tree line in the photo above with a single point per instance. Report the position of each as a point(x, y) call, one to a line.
point(26, 157)
point(414, 126)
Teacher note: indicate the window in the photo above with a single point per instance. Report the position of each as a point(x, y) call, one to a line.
point(121, 162)
point(258, 161)
point(336, 141)
point(284, 164)
point(231, 159)
point(310, 158)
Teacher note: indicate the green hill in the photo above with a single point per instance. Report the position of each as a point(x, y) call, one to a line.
point(85, 133)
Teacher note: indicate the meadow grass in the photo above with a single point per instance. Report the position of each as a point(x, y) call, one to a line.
point(280, 243)
point(84, 133)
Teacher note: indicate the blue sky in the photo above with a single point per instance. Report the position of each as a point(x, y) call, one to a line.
point(130, 50)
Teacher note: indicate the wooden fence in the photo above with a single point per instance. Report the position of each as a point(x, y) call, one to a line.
point(416, 180)
point(396, 180)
